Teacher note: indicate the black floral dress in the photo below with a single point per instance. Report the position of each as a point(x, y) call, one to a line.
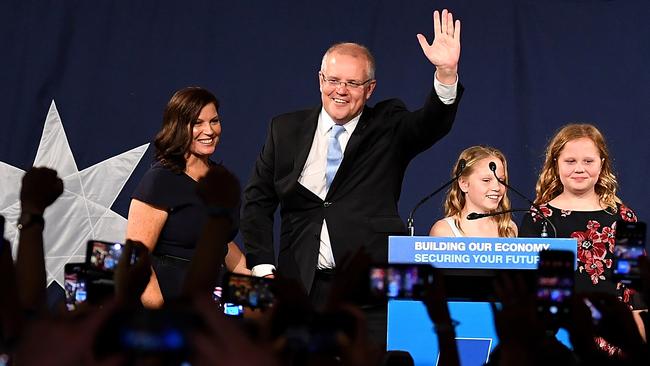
point(594, 231)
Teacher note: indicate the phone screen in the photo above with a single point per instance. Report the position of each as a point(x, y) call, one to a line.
point(555, 282)
point(229, 309)
point(233, 310)
point(74, 285)
point(103, 256)
point(399, 281)
point(254, 292)
point(629, 246)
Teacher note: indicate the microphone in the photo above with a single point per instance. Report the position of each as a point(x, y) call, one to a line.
point(543, 234)
point(476, 215)
point(459, 170)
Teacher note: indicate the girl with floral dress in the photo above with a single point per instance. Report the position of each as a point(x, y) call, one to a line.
point(576, 192)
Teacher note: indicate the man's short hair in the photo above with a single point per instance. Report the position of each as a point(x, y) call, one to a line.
point(354, 50)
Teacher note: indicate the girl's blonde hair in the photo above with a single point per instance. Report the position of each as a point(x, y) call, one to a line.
point(549, 185)
point(455, 200)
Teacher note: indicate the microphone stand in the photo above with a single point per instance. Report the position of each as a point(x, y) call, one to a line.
point(409, 222)
point(543, 234)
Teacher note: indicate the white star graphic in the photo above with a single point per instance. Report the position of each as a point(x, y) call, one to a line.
point(83, 210)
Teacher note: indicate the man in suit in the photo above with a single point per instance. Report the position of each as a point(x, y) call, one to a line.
point(336, 170)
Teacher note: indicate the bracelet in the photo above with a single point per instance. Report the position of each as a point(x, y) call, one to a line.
point(28, 219)
point(446, 327)
point(216, 211)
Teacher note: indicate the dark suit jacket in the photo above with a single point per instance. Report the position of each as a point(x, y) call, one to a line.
point(361, 204)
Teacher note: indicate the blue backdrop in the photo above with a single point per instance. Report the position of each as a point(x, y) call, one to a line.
point(528, 68)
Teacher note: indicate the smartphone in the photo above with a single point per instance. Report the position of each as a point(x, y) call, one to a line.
point(555, 285)
point(250, 291)
point(629, 245)
point(74, 284)
point(101, 260)
point(103, 256)
point(399, 281)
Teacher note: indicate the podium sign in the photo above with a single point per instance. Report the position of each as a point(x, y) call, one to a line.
point(473, 253)
point(409, 327)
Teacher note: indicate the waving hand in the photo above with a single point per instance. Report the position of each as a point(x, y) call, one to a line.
point(444, 52)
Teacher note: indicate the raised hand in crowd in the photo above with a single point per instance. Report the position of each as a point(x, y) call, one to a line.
point(286, 325)
point(356, 349)
point(617, 325)
point(72, 339)
point(10, 314)
point(614, 326)
point(40, 188)
point(222, 341)
point(220, 190)
point(132, 273)
point(349, 323)
point(336, 334)
point(68, 340)
point(515, 319)
point(524, 339)
point(435, 301)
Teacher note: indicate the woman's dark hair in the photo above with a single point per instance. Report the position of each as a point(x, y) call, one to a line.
point(175, 137)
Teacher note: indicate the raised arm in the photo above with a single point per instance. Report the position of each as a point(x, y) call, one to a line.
point(422, 128)
point(444, 51)
point(40, 188)
point(219, 190)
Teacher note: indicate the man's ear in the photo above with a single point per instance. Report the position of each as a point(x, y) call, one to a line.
point(371, 88)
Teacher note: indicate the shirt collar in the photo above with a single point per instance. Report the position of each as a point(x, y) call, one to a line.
point(325, 123)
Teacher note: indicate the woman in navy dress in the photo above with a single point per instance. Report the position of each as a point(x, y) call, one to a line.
point(166, 214)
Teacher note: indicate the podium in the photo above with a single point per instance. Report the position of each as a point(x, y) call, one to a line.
point(469, 265)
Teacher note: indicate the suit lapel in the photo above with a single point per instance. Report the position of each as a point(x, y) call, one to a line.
point(304, 140)
point(300, 135)
point(351, 151)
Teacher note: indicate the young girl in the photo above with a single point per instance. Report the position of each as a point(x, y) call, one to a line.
point(576, 191)
point(477, 190)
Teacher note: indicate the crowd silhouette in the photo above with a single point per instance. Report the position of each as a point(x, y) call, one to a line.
point(193, 330)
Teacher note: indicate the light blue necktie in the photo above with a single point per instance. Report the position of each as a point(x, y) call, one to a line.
point(334, 154)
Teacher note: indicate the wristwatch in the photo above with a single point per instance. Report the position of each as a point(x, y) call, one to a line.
point(27, 219)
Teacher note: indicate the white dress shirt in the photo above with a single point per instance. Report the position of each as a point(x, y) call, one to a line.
point(312, 176)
